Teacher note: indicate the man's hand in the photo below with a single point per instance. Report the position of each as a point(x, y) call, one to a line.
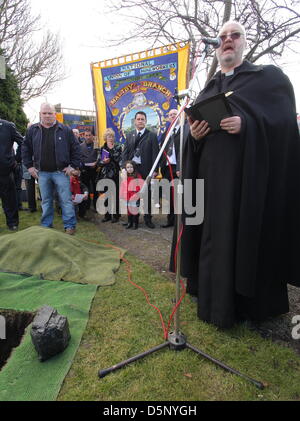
point(68, 170)
point(232, 124)
point(199, 129)
point(33, 172)
point(154, 174)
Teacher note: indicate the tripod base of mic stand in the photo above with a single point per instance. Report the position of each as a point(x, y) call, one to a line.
point(177, 342)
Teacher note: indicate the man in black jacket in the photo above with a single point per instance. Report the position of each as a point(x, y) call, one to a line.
point(142, 147)
point(240, 259)
point(8, 195)
point(89, 156)
point(50, 152)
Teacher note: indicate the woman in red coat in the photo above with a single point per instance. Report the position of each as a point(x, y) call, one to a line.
point(129, 191)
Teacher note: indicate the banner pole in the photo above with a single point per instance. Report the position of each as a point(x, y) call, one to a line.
point(178, 227)
point(96, 104)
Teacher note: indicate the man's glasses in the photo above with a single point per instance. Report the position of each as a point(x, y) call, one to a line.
point(232, 35)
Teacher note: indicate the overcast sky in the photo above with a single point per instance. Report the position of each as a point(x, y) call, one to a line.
point(82, 28)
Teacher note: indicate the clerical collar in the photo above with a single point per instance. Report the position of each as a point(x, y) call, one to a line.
point(233, 71)
point(230, 73)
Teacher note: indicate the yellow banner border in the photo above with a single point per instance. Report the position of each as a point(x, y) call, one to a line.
point(183, 50)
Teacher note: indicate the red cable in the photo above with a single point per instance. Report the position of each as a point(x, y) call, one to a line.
point(128, 265)
point(129, 271)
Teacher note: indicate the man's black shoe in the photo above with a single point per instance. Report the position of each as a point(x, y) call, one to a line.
point(33, 210)
point(13, 228)
point(149, 224)
point(106, 218)
point(167, 225)
point(130, 225)
point(114, 220)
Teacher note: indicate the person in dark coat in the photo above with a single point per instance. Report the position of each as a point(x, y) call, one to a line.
point(239, 260)
point(8, 194)
point(30, 186)
point(18, 176)
point(141, 146)
point(108, 167)
point(89, 156)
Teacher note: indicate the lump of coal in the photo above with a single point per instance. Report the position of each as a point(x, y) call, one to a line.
point(50, 332)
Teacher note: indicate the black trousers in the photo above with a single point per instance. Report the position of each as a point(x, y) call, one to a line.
point(114, 204)
point(133, 219)
point(18, 176)
point(30, 188)
point(88, 177)
point(8, 196)
point(166, 174)
point(81, 208)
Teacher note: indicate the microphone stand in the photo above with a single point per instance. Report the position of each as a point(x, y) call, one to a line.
point(176, 339)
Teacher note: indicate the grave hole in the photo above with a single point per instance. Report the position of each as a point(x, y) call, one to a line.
point(12, 324)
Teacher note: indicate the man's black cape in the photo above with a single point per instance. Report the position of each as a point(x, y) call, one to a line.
point(240, 259)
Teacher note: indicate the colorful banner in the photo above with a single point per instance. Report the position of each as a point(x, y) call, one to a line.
point(144, 81)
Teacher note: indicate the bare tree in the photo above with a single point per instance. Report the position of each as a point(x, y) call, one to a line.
point(273, 26)
point(37, 63)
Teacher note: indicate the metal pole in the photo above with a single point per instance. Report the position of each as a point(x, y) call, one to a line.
point(179, 212)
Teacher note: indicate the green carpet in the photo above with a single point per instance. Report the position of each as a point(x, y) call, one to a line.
point(53, 255)
point(24, 377)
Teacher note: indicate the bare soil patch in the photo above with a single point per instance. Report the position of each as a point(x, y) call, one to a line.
point(153, 246)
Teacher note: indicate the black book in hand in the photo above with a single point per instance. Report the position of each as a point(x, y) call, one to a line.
point(212, 110)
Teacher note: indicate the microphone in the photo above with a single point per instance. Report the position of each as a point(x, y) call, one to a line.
point(215, 42)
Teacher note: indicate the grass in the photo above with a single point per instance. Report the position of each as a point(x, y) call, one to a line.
point(122, 325)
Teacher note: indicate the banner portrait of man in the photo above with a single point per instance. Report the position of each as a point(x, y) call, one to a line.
point(145, 81)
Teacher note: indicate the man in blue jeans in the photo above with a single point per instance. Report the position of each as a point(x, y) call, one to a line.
point(50, 152)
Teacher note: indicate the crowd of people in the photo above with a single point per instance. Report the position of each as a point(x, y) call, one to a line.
point(240, 258)
point(67, 166)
